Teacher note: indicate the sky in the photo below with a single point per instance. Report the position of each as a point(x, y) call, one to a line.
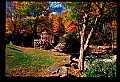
point(58, 8)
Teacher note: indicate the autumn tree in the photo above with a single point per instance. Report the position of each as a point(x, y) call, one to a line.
point(34, 10)
point(9, 27)
point(70, 26)
point(56, 20)
point(11, 15)
point(89, 15)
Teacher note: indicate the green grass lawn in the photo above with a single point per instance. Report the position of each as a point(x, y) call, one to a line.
point(25, 62)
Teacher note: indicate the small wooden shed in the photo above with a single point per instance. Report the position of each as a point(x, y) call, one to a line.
point(47, 35)
point(46, 38)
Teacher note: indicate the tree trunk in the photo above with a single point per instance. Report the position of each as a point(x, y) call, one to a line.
point(34, 34)
point(83, 46)
point(34, 30)
point(81, 61)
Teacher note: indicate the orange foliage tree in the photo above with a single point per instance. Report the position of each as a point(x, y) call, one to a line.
point(9, 27)
point(70, 27)
point(56, 20)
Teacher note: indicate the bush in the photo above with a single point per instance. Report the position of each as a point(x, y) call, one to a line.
point(107, 56)
point(100, 69)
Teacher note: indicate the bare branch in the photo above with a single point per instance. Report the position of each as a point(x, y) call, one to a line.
point(86, 44)
point(80, 32)
point(84, 20)
point(99, 16)
point(97, 19)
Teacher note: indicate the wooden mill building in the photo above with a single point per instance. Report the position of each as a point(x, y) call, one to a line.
point(47, 37)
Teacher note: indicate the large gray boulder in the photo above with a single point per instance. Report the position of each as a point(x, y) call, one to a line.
point(58, 71)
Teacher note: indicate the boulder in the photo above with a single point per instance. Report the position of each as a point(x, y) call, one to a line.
point(58, 71)
point(60, 47)
point(114, 58)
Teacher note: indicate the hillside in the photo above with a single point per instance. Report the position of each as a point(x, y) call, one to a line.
point(25, 62)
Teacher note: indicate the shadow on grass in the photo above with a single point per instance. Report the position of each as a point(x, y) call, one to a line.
point(14, 49)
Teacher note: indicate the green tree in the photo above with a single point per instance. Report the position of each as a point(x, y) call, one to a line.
point(89, 15)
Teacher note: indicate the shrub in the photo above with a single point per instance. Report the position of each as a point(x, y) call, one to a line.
point(107, 56)
point(100, 69)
